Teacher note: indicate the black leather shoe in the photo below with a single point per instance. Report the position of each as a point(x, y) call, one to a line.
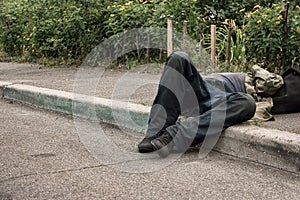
point(145, 145)
point(163, 144)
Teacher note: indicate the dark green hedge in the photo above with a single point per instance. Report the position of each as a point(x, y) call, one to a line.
point(51, 28)
point(69, 29)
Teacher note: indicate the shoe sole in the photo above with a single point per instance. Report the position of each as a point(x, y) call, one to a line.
point(146, 150)
point(162, 152)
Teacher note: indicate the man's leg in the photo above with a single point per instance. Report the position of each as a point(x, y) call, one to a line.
point(190, 131)
point(180, 90)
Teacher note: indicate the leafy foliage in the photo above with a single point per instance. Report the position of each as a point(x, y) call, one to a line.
point(67, 30)
point(51, 28)
point(265, 38)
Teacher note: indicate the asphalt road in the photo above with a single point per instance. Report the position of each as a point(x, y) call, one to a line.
point(42, 157)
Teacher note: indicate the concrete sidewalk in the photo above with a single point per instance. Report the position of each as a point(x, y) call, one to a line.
point(280, 149)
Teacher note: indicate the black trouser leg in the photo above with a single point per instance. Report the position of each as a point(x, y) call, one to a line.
point(237, 108)
point(181, 91)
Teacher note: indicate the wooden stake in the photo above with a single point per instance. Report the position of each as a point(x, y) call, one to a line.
point(123, 48)
point(213, 44)
point(184, 34)
point(148, 48)
point(137, 35)
point(160, 46)
point(170, 37)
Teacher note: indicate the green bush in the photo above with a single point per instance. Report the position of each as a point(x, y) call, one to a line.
point(51, 28)
point(228, 9)
point(12, 19)
point(68, 29)
point(264, 37)
point(127, 14)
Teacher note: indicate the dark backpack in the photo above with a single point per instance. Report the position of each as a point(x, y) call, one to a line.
point(287, 98)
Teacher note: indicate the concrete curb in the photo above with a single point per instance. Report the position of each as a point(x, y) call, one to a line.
point(124, 114)
point(276, 148)
point(271, 147)
point(2, 86)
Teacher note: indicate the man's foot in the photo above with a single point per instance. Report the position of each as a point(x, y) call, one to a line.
point(163, 144)
point(145, 145)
